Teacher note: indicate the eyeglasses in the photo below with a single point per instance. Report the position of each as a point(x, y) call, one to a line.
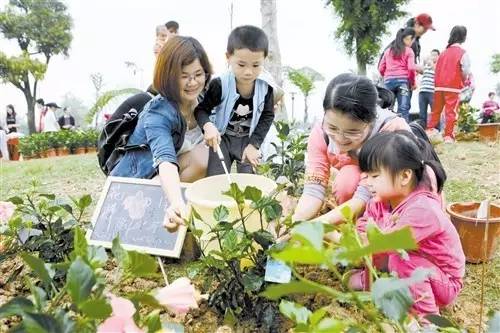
point(352, 135)
point(198, 77)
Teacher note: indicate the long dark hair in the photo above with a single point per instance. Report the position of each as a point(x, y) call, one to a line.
point(397, 151)
point(10, 106)
point(457, 35)
point(356, 96)
point(398, 46)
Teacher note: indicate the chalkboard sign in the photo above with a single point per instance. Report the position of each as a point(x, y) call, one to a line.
point(133, 209)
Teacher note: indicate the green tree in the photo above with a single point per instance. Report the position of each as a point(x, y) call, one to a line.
point(42, 29)
point(495, 63)
point(304, 79)
point(362, 25)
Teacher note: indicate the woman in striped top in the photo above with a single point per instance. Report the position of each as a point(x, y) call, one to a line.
point(426, 95)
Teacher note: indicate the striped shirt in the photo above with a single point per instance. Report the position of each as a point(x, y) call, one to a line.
point(427, 82)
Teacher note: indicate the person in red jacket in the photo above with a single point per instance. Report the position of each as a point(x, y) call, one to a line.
point(452, 71)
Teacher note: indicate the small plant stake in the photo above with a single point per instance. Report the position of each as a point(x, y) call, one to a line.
point(483, 213)
point(221, 158)
point(162, 271)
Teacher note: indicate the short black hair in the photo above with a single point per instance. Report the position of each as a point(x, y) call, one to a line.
point(172, 25)
point(491, 93)
point(248, 37)
point(436, 50)
point(40, 101)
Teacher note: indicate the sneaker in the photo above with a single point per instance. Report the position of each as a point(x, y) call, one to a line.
point(431, 132)
point(449, 139)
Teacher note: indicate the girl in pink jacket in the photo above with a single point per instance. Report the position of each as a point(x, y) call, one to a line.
point(395, 164)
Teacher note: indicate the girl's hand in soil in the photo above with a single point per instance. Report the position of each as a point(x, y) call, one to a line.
point(175, 216)
point(252, 155)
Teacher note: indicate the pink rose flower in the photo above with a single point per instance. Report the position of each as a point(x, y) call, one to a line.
point(6, 211)
point(179, 296)
point(121, 320)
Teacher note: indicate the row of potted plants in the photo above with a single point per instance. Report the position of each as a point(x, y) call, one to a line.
point(61, 143)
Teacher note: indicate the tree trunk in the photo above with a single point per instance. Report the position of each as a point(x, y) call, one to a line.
point(361, 63)
point(306, 110)
point(273, 62)
point(30, 102)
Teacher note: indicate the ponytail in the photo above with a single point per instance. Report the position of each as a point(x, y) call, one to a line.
point(386, 98)
point(438, 172)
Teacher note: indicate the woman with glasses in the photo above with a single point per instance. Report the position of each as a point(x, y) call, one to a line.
point(163, 130)
point(352, 116)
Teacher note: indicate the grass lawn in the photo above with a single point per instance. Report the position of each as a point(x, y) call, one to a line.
point(473, 174)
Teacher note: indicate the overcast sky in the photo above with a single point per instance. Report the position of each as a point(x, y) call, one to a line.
point(108, 33)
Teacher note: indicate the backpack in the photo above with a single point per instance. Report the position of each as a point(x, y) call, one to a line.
point(112, 142)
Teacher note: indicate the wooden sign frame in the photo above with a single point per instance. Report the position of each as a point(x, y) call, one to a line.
point(181, 232)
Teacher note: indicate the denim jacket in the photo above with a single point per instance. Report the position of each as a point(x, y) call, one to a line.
point(160, 130)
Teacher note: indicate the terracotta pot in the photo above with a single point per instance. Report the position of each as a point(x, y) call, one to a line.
point(43, 154)
point(51, 152)
point(471, 230)
point(13, 147)
point(80, 150)
point(62, 151)
point(91, 150)
point(26, 157)
point(489, 132)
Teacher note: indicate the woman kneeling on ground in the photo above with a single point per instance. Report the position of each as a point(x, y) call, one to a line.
point(181, 73)
point(352, 116)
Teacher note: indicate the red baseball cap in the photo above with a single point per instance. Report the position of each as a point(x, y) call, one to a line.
point(425, 20)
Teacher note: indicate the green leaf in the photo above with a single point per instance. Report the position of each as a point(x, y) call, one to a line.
point(140, 265)
point(380, 242)
point(38, 295)
point(310, 233)
point(194, 269)
point(252, 193)
point(230, 243)
point(317, 315)
point(235, 193)
point(277, 291)
point(300, 255)
point(64, 319)
point(195, 214)
point(296, 312)
point(252, 282)
point(392, 296)
point(80, 280)
point(96, 256)
point(67, 208)
point(330, 325)
point(118, 251)
point(153, 322)
point(48, 196)
point(273, 210)
point(264, 238)
point(221, 213)
point(16, 306)
point(146, 299)
point(40, 323)
point(84, 201)
point(96, 309)
point(79, 243)
point(230, 318)
point(440, 321)
point(41, 269)
point(16, 200)
point(347, 213)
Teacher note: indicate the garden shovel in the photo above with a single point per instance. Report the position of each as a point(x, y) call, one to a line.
point(221, 158)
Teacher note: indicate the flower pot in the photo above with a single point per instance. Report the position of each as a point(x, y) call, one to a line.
point(62, 151)
point(43, 154)
point(489, 132)
point(205, 195)
point(471, 230)
point(80, 150)
point(26, 157)
point(91, 149)
point(51, 152)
